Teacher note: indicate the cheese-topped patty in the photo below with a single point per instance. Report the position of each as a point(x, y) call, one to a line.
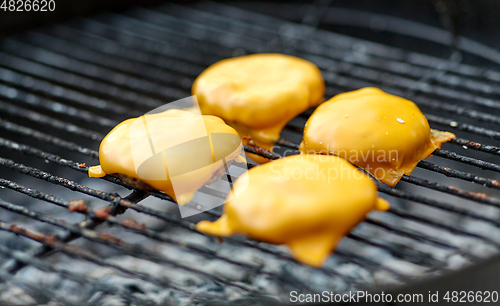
point(382, 133)
point(174, 151)
point(307, 202)
point(259, 94)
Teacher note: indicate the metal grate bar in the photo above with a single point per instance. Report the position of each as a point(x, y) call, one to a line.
point(237, 20)
point(60, 181)
point(61, 94)
point(460, 174)
point(430, 120)
point(444, 154)
point(74, 66)
point(21, 97)
point(452, 229)
point(117, 199)
point(44, 250)
point(338, 41)
point(24, 170)
point(35, 193)
point(478, 197)
point(476, 146)
point(79, 278)
point(445, 106)
point(419, 237)
point(48, 121)
point(435, 204)
point(130, 249)
point(463, 126)
point(411, 255)
point(77, 252)
point(447, 154)
point(12, 127)
point(233, 240)
point(62, 54)
point(166, 20)
point(142, 230)
point(362, 261)
point(435, 186)
point(474, 115)
point(434, 104)
point(134, 48)
point(84, 84)
point(100, 28)
point(421, 101)
point(96, 55)
point(118, 60)
point(96, 193)
point(74, 165)
point(474, 196)
point(467, 160)
point(67, 163)
point(164, 75)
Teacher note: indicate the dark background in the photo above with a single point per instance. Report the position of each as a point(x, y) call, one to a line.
point(475, 19)
point(392, 22)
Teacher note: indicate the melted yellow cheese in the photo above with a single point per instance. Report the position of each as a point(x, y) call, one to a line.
point(259, 94)
point(384, 134)
point(174, 151)
point(307, 202)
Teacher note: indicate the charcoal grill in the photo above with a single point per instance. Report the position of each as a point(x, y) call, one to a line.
point(64, 86)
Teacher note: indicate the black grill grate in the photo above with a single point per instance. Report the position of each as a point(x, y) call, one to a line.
point(63, 87)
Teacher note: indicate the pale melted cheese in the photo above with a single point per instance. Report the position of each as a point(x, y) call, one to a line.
point(189, 151)
point(307, 202)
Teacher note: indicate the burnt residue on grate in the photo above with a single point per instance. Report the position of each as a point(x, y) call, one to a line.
point(72, 240)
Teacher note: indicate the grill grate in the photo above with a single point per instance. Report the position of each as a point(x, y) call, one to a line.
point(63, 87)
